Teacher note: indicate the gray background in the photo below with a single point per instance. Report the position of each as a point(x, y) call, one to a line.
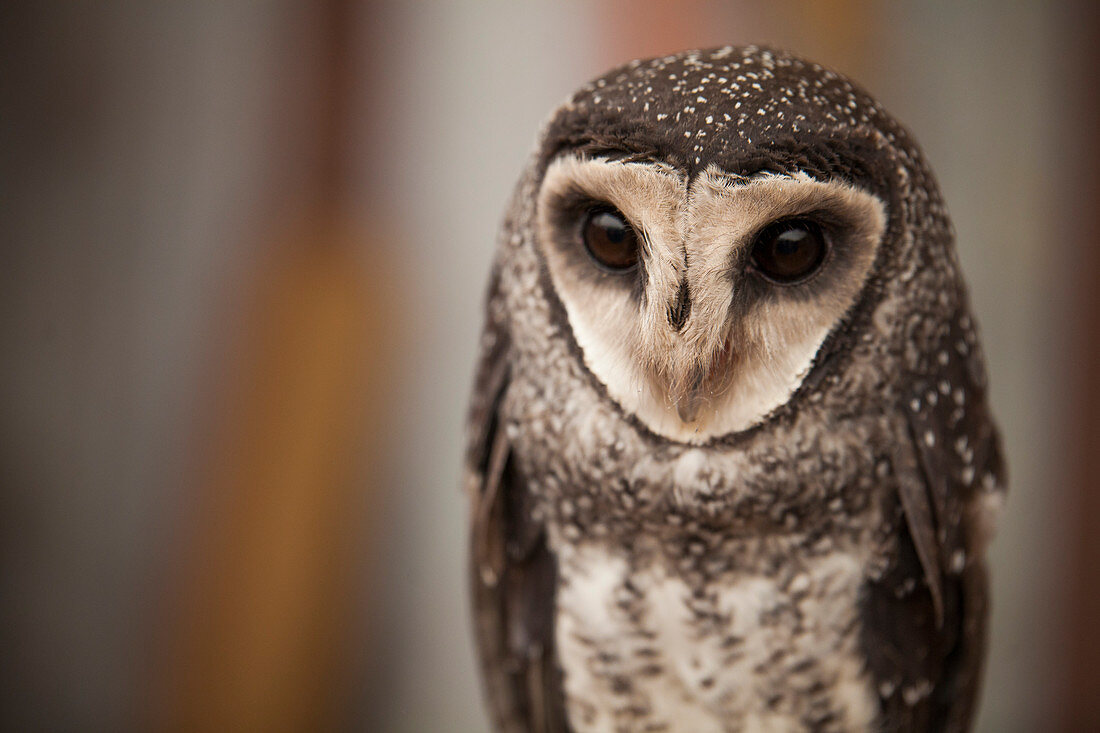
point(138, 142)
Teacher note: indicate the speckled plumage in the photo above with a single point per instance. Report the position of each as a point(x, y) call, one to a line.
point(819, 569)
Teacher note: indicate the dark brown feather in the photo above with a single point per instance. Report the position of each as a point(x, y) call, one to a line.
point(513, 573)
point(925, 617)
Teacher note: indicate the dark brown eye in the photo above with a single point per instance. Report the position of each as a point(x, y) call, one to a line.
point(610, 240)
point(789, 251)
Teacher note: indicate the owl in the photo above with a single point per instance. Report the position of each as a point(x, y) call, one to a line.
point(730, 461)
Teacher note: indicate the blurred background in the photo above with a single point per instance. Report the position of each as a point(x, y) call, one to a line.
point(243, 247)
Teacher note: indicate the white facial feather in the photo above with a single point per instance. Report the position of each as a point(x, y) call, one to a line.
point(702, 234)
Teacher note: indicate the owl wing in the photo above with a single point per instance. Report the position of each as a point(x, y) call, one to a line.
point(926, 615)
point(513, 574)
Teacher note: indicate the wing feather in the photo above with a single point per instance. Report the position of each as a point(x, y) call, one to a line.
point(926, 615)
point(513, 574)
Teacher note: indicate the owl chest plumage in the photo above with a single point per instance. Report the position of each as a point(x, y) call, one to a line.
point(704, 588)
point(646, 645)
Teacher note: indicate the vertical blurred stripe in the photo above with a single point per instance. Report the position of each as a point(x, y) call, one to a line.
point(1081, 635)
point(264, 635)
point(263, 623)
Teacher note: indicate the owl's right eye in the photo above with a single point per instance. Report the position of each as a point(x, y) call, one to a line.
point(789, 252)
point(610, 240)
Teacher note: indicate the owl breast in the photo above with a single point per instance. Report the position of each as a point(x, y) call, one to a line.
point(705, 588)
point(646, 643)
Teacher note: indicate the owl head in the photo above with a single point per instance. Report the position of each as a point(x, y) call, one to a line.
point(713, 226)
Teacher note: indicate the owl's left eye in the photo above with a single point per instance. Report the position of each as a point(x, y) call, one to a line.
point(610, 240)
point(789, 252)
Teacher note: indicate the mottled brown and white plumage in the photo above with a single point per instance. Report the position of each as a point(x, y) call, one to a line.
point(702, 500)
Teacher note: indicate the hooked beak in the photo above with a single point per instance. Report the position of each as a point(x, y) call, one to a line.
point(704, 382)
point(687, 406)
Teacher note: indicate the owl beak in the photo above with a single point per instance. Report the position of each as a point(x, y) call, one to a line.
point(704, 383)
point(687, 407)
point(694, 393)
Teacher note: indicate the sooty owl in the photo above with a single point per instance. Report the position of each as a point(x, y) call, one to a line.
point(730, 459)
